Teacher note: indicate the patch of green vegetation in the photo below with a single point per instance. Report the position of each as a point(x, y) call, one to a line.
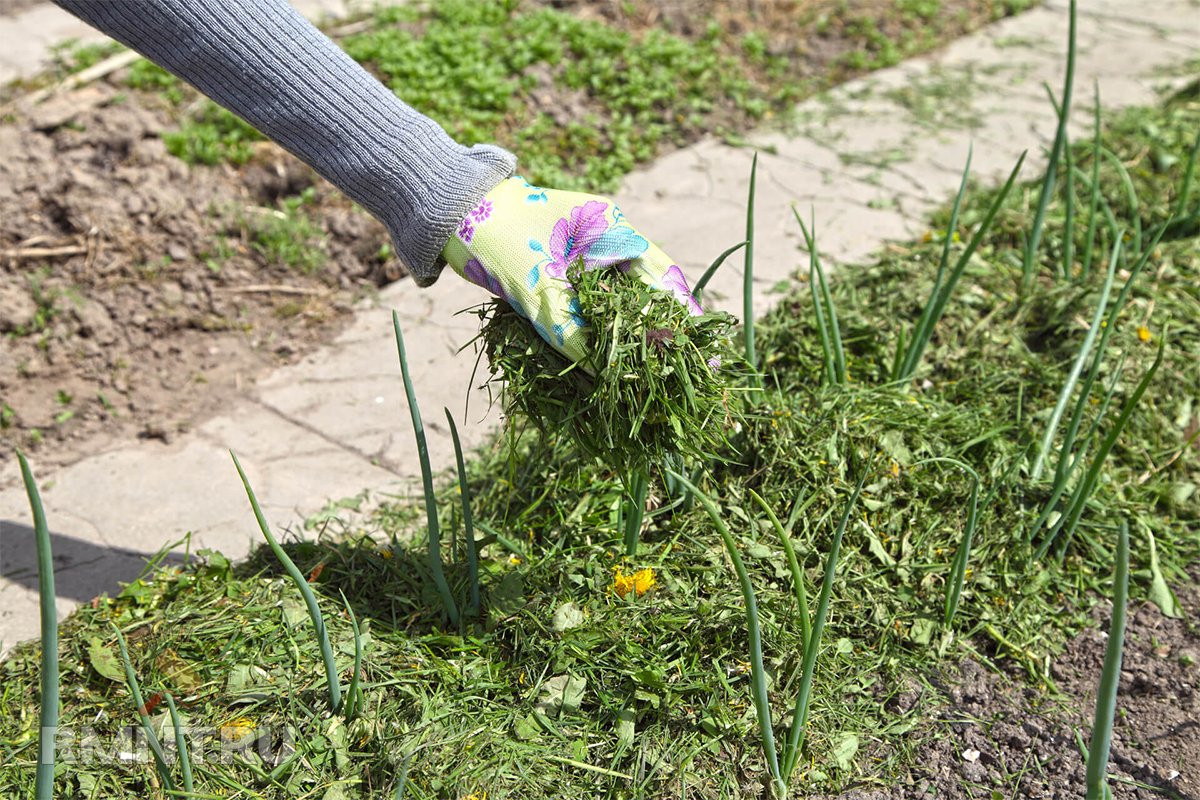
point(148, 76)
point(71, 56)
point(288, 235)
point(595, 675)
point(213, 135)
point(581, 102)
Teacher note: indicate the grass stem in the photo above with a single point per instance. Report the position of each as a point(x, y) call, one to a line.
point(47, 603)
point(310, 599)
point(431, 513)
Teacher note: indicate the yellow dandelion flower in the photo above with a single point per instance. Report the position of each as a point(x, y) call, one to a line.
point(895, 470)
point(1144, 333)
point(387, 554)
point(514, 560)
point(638, 582)
point(237, 729)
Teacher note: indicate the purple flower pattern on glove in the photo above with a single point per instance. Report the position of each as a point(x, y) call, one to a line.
point(674, 280)
point(478, 274)
point(466, 229)
point(481, 212)
point(573, 236)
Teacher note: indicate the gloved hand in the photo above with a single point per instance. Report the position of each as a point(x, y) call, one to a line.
point(519, 241)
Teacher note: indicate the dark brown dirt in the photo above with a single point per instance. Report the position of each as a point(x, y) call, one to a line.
point(997, 736)
point(132, 295)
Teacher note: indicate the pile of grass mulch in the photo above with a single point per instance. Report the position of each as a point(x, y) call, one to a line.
point(569, 687)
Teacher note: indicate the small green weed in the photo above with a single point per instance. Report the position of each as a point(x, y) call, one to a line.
point(288, 235)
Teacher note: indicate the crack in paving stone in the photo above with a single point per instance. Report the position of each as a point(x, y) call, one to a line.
point(335, 444)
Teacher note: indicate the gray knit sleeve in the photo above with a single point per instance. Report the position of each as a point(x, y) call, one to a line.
point(267, 64)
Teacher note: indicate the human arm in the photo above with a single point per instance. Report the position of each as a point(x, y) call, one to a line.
point(266, 63)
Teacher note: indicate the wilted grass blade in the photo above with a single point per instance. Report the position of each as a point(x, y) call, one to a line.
point(135, 691)
point(714, 266)
point(1110, 677)
point(47, 602)
point(1033, 244)
point(310, 600)
point(468, 519)
point(795, 742)
point(758, 673)
point(185, 759)
point(798, 582)
point(1064, 396)
point(431, 514)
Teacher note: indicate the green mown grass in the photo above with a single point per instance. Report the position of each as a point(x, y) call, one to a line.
point(569, 688)
point(580, 100)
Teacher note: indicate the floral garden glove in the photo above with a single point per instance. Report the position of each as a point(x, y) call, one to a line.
point(520, 240)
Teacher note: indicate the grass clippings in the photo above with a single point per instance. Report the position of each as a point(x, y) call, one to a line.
point(573, 685)
point(657, 388)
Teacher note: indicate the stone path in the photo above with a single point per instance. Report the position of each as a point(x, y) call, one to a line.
point(872, 158)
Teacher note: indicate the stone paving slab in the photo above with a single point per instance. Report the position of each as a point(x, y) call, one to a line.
point(29, 35)
point(871, 158)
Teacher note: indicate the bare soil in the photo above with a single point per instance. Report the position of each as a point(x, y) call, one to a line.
point(133, 298)
point(997, 736)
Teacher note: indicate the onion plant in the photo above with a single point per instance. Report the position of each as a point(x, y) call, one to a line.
point(748, 282)
point(1069, 520)
point(1033, 243)
point(1110, 677)
point(185, 759)
point(698, 289)
point(908, 356)
point(1085, 350)
point(781, 763)
point(472, 546)
point(354, 693)
point(828, 328)
point(47, 602)
point(135, 691)
point(310, 599)
point(431, 512)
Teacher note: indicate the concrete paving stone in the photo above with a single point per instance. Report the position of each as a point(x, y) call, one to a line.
point(1179, 19)
point(29, 35)
point(353, 393)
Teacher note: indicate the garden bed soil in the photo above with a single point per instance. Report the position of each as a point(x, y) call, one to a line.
point(132, 299)
point(996, 732)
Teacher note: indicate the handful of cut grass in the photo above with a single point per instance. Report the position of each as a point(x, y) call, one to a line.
point(657, 384)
